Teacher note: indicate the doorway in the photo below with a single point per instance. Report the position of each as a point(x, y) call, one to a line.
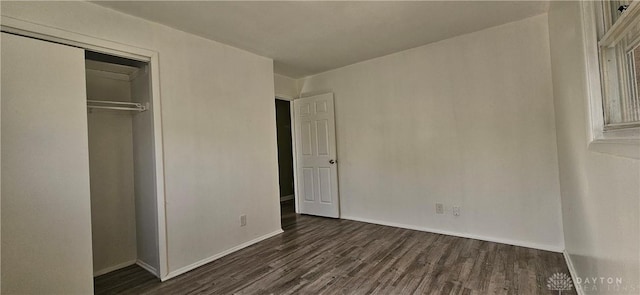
point(288, 216)
point(121, 164)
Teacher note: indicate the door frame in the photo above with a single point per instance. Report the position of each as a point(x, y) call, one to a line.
point(46, 33)
point(293, 150)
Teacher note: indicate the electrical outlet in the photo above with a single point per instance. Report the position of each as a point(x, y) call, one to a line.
point(243, 220)
point(456, 210)
point(439, 208)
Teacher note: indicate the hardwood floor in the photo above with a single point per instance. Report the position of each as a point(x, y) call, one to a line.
point(331, 256)
point(288, 216)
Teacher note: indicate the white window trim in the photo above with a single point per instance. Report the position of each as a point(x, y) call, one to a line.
point(621, 142)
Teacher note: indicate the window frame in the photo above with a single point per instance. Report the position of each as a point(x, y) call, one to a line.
point(613, 45)
point(618, 141)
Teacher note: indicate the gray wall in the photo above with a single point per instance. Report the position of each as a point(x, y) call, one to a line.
point(600, 192)
point(465, 122)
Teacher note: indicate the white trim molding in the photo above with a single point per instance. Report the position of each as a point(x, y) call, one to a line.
point(148, 267)
point(617, 31)
point(557, 249)
point(48, 33)
point(285, 97)
point(202, 262)
point(572, 272)
point(625, 143)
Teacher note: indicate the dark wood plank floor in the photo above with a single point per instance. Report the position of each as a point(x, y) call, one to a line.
point(288, 216)
point(331, 256)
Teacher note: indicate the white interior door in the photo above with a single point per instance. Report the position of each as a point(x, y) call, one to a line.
point(316, 156)
point(46, 219)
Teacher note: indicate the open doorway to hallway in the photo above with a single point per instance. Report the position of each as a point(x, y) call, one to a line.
point(285, 163)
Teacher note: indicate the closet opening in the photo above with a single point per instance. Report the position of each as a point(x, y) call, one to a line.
point(122, 166)
point(288, 214)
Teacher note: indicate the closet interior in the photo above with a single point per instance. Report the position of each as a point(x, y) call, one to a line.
point(121, 164)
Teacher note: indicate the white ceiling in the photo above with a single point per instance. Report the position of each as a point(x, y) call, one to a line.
point(307, 37)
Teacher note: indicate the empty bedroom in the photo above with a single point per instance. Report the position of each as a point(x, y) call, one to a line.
point(320, 147)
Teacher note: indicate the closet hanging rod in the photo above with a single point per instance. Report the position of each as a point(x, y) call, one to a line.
point(135, 104)
point(117, 108)
point(116, 105)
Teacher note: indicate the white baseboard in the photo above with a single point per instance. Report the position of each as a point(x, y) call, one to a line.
point(113, 268)
point(148, 267)
point(572, 271)
point(190, 267)
point(286, 198)
point(556, 249)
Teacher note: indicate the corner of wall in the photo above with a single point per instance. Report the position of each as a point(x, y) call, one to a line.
point(555, 119)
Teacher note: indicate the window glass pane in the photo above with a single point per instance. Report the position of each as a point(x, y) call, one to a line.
point(632, 109)
point(625, 106)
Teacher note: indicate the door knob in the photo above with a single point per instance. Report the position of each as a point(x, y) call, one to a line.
point(332, 161)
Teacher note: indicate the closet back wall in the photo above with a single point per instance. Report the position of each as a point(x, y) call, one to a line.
point(113, 221)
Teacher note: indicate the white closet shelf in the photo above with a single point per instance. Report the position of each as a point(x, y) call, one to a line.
point(117, 105)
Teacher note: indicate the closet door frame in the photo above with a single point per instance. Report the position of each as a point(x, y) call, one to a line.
point(28, 29)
